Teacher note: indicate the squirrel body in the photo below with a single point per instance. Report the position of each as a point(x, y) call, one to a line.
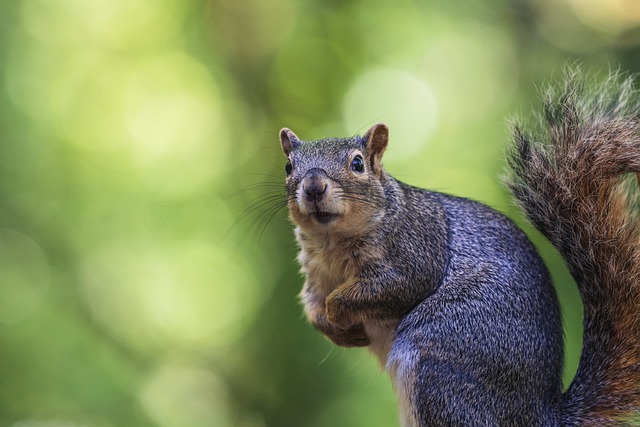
point(452, 297)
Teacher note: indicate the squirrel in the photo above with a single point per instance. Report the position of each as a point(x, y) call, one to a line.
point(453, 298)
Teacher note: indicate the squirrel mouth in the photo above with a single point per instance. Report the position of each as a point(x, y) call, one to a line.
point(324, 217)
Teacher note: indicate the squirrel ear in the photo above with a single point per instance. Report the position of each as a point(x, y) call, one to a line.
point(288, 140)
point(376, 140)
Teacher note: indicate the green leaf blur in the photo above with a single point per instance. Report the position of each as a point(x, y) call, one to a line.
point(147, 273)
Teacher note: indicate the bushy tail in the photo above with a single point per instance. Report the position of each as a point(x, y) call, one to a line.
point(575, 180)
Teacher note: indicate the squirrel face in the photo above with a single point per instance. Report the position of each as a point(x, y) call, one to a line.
point(335, 184)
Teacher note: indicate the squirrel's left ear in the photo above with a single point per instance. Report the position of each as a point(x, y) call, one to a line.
point(288, 140)
point(376, 140)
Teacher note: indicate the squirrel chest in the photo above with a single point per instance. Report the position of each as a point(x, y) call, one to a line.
point(328, 262)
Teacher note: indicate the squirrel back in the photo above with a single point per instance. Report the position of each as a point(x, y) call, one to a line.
point(573, 180)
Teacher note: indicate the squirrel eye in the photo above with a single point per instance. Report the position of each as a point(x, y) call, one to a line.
point(357, 164)
point(288, 168)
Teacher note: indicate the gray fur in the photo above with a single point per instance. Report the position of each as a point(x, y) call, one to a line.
point(452, 296)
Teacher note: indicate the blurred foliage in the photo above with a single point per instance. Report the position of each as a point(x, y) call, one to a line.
point(147, 276)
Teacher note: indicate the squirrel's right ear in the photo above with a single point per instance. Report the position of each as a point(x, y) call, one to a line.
point(376, 140)
point(288, 140)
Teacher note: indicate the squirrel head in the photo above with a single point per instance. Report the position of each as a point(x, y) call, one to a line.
point(335, 184)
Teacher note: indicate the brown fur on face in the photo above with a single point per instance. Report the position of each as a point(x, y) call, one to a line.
point(351, 197)
point(350, 215)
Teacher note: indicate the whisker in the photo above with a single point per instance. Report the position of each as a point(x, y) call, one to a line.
point(260, 210)
point(269, 217)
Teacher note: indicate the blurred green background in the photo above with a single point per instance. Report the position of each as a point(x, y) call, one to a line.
point(147, 277)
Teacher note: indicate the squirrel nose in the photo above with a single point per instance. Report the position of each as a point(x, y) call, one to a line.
point(314, 190)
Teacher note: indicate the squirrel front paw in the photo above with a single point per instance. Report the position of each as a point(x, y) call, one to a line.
point(353, 336)
point(340, 311)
